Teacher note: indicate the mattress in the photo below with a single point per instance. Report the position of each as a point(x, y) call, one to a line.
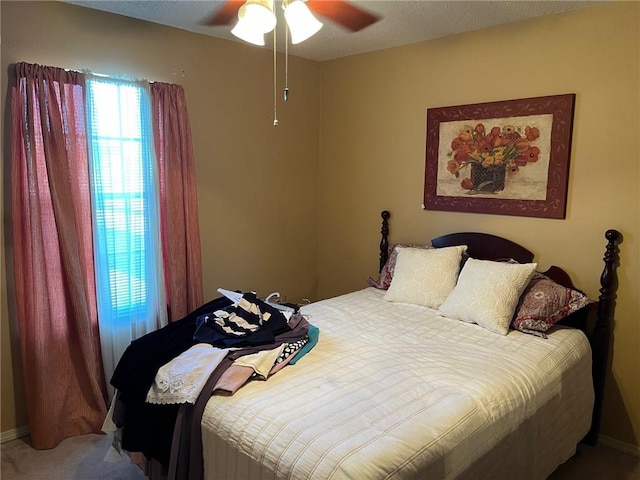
point(398, 391)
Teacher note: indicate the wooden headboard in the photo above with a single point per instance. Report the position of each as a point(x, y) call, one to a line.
point(484, 246)
point(595, 320)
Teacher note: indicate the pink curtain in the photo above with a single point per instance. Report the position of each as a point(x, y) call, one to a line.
point(54, 277)
point(178, 202)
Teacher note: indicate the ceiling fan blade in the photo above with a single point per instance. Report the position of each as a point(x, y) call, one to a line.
point(342, 13)
point(224, 15)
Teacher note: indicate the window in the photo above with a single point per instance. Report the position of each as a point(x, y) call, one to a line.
point(129, 279)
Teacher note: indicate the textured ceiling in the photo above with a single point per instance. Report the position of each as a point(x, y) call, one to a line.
point(402, 21)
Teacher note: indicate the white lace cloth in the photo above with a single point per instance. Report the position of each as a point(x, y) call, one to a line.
point(182, 379)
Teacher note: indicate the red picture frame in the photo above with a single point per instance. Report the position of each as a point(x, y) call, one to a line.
point(507, 157)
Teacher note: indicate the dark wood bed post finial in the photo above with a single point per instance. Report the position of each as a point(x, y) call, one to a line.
point(602, 330)
point(384, 241)
point(609, 280)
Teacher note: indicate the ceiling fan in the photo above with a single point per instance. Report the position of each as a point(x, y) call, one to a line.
point(257, 17)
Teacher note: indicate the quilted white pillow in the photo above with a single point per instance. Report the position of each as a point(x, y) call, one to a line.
point(487, 293)
point(425, 276)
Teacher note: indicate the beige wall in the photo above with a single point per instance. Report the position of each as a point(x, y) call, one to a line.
point(373, 149)
point(257, 185)
point(367, 153)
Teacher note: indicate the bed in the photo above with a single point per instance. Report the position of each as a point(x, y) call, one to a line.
point(398, 389)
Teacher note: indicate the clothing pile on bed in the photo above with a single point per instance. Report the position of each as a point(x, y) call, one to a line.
point(215, 349)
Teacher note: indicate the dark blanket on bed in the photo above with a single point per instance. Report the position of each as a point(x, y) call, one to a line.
point(141, 361)
point(148, 428)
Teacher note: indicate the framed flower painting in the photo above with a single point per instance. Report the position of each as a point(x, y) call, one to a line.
point(507, 157)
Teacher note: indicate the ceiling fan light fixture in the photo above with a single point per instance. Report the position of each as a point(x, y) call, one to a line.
point(302, 24)
point(248, 34)
point(257, 15)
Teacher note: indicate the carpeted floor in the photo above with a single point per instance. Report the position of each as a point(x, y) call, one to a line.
point(83, 458)
point(598, 463)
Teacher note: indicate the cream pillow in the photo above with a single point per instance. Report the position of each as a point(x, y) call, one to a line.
point(487, 293)
point(425, 276)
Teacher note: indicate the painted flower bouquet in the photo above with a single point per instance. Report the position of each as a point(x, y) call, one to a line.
point(491, 155)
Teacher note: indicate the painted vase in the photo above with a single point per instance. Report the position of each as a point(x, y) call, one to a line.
point(489, 179)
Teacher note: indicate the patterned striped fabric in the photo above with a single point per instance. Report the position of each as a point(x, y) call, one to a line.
point(248, 322)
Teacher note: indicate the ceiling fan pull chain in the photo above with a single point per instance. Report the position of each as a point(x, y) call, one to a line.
point(275, 83)
point(286, 62)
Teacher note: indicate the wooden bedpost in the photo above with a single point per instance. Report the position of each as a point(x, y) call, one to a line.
point(384, 241)
point(602, 331)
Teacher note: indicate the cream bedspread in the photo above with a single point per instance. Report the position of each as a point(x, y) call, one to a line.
point(398, 391)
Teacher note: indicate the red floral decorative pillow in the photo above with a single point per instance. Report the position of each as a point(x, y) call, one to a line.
point(386, 274)
point(544, 303)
